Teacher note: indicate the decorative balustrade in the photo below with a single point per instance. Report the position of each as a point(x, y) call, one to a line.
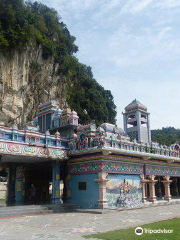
point(82, 141)
point(124, 145)
point(32, 136)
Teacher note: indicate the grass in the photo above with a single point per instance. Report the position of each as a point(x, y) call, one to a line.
point(129, 233)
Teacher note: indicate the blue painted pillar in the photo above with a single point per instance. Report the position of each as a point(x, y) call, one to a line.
point(20, 186)
point(55, 182)
point(11, 184)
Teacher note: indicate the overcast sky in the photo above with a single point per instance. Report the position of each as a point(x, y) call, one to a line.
point(133, 47)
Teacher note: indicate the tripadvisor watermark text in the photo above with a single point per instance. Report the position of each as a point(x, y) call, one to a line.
point(140, 231)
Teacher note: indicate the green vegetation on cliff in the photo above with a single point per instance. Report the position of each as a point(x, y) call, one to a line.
point(167, 136)
point(25, 24)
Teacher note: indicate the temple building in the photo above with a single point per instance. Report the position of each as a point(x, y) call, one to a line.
point(87, 165)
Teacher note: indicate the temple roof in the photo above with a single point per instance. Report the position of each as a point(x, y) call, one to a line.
point(135, 104)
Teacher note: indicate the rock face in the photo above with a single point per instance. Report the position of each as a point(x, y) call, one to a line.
point(26, 80)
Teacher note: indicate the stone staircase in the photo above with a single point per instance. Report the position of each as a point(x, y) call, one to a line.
point(66, 207)
point(57, 208)
point(162, 203)
point(23, 210)
point(36, 209)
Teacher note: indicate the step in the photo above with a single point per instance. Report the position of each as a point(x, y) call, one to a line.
point(8, 214)
point(23, 210)
point(62, 207)
point(36, 209)
point(161, 203)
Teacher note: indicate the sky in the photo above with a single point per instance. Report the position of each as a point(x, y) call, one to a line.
point(133, 47)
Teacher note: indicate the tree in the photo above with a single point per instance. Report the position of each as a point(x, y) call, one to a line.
point(167, 136)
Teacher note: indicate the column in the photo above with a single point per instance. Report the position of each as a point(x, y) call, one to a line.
point(138, 118)
point(152, 182)
point(125, 122)
point(55, 182)
point(167, 183)
point(11, 184)
point(148, 127)
point(20, 186)
point(102, 181)
point(144, 182)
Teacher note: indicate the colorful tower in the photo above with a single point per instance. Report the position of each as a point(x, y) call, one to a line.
point(73, 118)
point(65, 116)
point(56, 118)
point(137, 122)
point(45, 115)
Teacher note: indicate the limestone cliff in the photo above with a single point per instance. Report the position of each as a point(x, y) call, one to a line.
point(38, 61)
point(26, 80)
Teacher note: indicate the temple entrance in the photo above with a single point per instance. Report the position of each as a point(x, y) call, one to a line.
point(40, 175)
point(47, 176)
point(22, 178)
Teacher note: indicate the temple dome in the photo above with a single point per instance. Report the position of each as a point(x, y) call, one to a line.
point(73, 113)
point(121, 131)
point(100, 129)
point(66, 111)
point(135, 104)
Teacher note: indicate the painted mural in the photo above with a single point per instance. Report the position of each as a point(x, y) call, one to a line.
point(34, 151)
point(124, 191)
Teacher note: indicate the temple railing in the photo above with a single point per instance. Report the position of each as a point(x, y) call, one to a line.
point(32, 137)
point(127, 147)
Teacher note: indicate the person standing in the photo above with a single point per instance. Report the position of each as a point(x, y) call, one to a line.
point(33, 194)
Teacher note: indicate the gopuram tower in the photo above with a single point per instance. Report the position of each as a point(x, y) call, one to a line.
point(137, 122)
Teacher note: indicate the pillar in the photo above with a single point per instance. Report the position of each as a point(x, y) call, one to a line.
point(152, 182)
point(102, 181)
point(11, 184)
point(125, 122)
point(55, 182)
point(20, 186)
point(138, 118)
point(167, 183)
point(149, 129)
point(144, 182)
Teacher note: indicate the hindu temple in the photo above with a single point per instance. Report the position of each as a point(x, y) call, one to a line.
point(87, 165)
